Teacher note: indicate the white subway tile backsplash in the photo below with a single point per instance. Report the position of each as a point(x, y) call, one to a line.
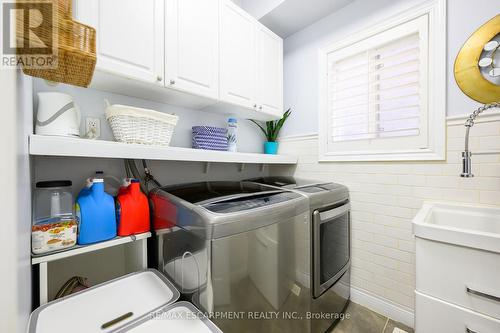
point(408, 246)
point(443, 181)
point(458, 144)
point(385, 197)
point(487, 170)
point(483, 129)
point(490, 197)
point(489, 143)
point(385, 240)
point(461, 195)
point(412, 180)
point(398, 189)
point(400, 298)
point(399, 233)
point(480, 183)
point(410, 202)
point(428, 193)
point(431, 168)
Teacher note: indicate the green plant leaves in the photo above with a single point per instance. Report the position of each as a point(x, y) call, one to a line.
point(273, 128)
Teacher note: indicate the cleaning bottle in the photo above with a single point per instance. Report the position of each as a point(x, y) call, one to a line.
point(95, 210)
point(232, 134)
point(132, 210)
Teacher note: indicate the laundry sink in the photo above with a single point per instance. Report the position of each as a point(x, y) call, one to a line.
point(467, 225)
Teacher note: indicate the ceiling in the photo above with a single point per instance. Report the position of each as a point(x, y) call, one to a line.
point(290, 16)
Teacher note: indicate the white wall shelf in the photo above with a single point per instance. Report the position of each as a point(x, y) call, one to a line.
point(80, 249)
point(76, 147)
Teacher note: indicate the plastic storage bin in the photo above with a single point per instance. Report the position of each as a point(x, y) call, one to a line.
point(177, 317)
point(54, 225)
point(105, 307)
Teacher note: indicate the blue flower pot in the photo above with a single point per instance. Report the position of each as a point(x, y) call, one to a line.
point(271, 148)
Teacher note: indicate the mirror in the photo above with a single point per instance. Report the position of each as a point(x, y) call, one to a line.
point(477, 67)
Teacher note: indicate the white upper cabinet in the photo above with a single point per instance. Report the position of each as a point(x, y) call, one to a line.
point(192, 46)
point(269, 71)
point(130, 36)
point(203, 54)
point(237, 56)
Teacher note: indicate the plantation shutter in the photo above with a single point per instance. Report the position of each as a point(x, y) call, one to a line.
point(375, 94)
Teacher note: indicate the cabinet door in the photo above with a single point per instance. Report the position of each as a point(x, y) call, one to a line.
point(192, 46)
point(237, 56)
point(269, 72)
point(130, 36)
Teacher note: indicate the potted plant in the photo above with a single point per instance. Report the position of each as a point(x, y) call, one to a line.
point(271, 132)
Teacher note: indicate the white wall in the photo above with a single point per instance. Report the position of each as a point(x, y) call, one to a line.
point(301, 52)
point(91, 103)
point(15, 279)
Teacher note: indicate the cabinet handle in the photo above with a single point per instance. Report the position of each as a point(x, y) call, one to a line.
point(260, 107)
point(468, 330)
point(159, 78)
point(255, 105)
point(484, 295)
point(172, 81)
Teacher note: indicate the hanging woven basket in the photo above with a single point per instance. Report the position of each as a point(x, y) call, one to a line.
point(75, 52)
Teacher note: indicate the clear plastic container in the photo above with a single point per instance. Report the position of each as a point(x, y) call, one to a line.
point(54, 224)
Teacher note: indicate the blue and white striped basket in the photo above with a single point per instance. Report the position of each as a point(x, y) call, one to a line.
point(210, 138)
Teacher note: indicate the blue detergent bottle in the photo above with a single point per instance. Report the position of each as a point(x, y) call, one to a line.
point(96, 212)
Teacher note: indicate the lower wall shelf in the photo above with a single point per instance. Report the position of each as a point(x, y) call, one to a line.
point(79, 249)
point(43, 260)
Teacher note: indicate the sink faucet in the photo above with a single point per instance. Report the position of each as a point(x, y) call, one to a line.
point(466, 155)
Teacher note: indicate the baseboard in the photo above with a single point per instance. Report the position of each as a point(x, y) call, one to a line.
point(383, 306)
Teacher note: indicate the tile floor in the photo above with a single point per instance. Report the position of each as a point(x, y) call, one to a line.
point(363, 320)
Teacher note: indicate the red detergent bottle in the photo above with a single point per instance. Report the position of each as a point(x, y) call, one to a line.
point(132, 209)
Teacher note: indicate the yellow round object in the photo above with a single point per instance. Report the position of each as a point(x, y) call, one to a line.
point(467, 72)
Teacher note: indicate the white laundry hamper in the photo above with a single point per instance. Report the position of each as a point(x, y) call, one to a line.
point(142, 126)
point(106, 307)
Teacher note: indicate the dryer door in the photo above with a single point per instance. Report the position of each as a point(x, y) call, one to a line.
point(331, 246)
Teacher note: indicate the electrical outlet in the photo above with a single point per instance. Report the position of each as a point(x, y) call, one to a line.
point(93, 127)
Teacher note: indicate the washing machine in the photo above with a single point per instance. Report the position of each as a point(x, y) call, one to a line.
point(237, 250)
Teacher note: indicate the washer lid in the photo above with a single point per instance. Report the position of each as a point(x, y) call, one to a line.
point(205, 192)
point(178, 317)
point(242, 203)
point(286, 181)
point(107, 306)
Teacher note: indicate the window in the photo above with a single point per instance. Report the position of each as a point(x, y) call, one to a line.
point(383, 92)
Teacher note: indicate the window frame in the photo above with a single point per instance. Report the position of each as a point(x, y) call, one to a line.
point(435, 85)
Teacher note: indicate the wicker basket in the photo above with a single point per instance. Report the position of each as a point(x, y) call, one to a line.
point(76, 49)
point(143, 126)
point(64, 8)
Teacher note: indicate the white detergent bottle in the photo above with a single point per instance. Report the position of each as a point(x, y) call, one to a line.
point(232, 134)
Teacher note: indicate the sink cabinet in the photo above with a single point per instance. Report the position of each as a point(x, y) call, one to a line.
point(445, 271)
point(457, 268)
